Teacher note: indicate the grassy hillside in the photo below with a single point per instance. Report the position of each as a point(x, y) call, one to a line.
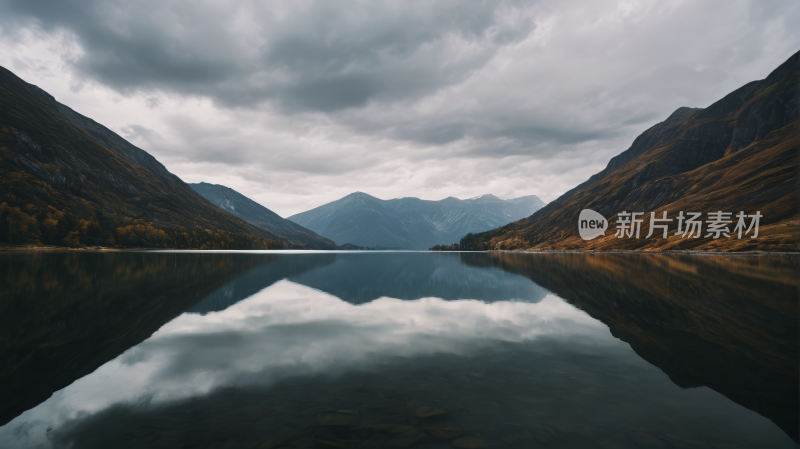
point(70, 185)
point(742, 153)
point(248, 210)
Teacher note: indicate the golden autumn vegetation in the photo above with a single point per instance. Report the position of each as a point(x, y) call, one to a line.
point(66, 180)
point(741, 154)
point(49, 226)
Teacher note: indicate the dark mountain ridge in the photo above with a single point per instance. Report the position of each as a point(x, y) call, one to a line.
point(105, 136)
point(66, 180)
point(739, 154)
point(248, 210)
point(411, 223)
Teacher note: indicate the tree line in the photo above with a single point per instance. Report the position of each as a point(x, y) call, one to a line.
point(50, 226)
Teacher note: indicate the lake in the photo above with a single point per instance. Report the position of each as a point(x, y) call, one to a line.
point(374, 350)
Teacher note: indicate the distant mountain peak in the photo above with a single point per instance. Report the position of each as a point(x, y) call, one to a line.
point(484, 197)
point(359, 195)
point(409, 222)
point(256, 214)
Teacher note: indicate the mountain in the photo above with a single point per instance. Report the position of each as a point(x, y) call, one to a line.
point(411, 223)
point(67, 180)
point(248, 210)
point(742, 153)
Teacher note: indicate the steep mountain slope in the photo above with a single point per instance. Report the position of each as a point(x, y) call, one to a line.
point(248, 210)
point(67, 180)
point(411, 223)
point(742, 153)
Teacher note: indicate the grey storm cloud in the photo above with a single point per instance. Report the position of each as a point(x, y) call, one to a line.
point(315, 57)
point(320, 56)
point(415, 94)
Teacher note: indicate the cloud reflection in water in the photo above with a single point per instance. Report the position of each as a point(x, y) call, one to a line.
point(289, 330)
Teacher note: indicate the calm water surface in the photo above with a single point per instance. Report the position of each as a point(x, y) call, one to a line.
point(397, 349)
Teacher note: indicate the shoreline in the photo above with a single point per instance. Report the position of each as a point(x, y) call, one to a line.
point(685, 252)
point(48, 248)
point(34, 248)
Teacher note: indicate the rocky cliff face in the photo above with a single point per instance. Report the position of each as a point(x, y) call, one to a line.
point(66, 180)
point(248, 210)
point(411, 223)
point(739, 154)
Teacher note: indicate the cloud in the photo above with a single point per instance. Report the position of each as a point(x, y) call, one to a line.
point(314, 56)
point(289, 332)
point(294, 103)
point(139, 134)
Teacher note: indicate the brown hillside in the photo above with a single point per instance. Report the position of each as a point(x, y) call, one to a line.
point(66, 180)
point(742, 153)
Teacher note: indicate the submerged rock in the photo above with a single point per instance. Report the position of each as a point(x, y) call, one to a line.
point(303, 443)
point(327, 442)
point(355, 433)
point(684, 442)
point(280, 439)
point(404, 435)
point(470, 442)
point(427, 411)
point(402, 441)
point(338, 418)
point(517, 437)
point(444, 433)
point(328, 439)
point(542, 436)
point(646, 441)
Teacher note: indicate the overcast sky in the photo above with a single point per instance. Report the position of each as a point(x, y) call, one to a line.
point(296, 104)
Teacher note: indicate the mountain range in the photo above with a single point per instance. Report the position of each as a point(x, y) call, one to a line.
point(248, 210)
point(742, 153)
point(67, 180)
point(411, 223)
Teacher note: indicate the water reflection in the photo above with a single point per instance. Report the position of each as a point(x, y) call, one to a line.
point(358, 278)
point(63, 315)
point(726, 323)
point(362, 277)
point(343, 350)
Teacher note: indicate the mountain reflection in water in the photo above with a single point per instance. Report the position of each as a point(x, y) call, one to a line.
point(388, 350)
